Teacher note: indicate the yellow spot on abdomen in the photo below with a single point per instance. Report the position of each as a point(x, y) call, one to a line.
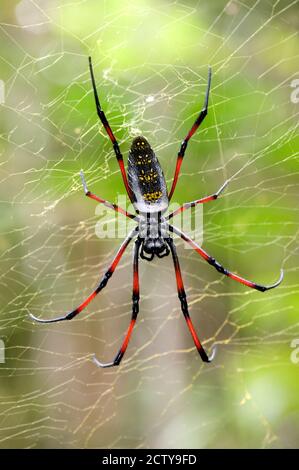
point(153, 196)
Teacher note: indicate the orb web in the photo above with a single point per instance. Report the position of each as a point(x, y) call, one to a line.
point(151, 63)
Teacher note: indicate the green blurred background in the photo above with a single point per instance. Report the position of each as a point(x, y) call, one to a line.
point(150, 60)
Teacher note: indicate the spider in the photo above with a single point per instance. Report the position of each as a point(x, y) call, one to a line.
point(146, 188)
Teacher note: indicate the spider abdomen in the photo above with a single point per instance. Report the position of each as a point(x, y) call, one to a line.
point(146, 178)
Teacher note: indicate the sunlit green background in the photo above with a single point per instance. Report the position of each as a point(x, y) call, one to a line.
point(151, 60)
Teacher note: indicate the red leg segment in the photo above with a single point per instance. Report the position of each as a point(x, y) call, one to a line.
point(193, 129)
point(108, 129)
point(135, 310)
point(184, 305)
point(219, 267)
point(103, 201)
point(188, 205)
point(98, 289)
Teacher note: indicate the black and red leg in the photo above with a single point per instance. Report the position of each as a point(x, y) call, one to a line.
point(188, 205)
point(135, 309)
point(192, 131)
point(184, 305)
point(101, 285)
point(108, 129)
point(209, 259)
point(103, 201)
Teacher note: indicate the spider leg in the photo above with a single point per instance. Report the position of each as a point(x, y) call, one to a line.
point(193, 129)
point(108, 129)
point(103, 201)
point(184, 305)
point(135, 310)
point(220, 268)
point(101, 285)
point(188, 205)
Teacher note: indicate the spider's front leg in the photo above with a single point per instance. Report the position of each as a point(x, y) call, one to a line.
point(108, 129)
point(203, 113)
point(103, 201)
point(135, 310)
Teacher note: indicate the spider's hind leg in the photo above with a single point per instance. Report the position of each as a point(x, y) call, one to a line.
point(97, 290)
point(221, 269)
point(135, 310)
point(184, 305)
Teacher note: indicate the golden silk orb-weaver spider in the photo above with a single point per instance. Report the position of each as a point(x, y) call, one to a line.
point(147, 190)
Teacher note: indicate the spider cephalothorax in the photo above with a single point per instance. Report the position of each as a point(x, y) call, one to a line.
point(146, 188)
point(152, 231)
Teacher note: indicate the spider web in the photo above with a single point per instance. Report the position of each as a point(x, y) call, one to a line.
point(150, 61)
